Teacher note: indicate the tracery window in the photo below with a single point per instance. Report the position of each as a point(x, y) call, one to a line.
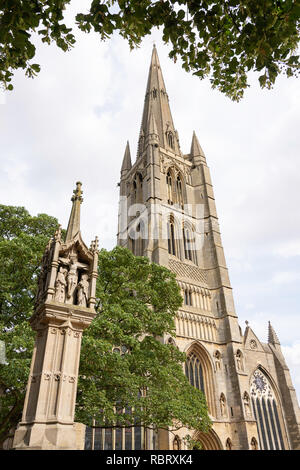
point(194, 372)
point(199, 371)
point(267, 412)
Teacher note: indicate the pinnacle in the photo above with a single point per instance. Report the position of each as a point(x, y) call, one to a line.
point(74, 220)
point(272, 336)
point(126, 165)
point(196, 149)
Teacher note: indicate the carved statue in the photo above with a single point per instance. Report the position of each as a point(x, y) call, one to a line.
point(254, 445)
point(223, 405)
point(43, 274)
point(83, 290)
point(247, 404)
point(60, 285)
point(239, 360)
point(72, 276)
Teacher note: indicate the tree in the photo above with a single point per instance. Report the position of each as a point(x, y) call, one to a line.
point(124, 364)
point(22, 242)
point(222, 40)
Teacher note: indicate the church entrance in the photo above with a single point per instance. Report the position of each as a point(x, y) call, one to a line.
point(209, 440)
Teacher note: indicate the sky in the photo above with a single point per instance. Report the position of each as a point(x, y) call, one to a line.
point(72, 123)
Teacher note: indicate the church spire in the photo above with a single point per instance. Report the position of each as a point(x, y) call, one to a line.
point(272, 336)
point(157, 102)
point(74, 221)
point(126, 165)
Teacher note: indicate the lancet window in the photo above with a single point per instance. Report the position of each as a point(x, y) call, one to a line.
point(169, 188)
point(172, 245)
point(188, 297)
point(137, 192)
point(188, 236)
point(179, 192)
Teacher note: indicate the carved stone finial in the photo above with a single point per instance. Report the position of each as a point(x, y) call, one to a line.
point(247, 323)
point(95, 244)
point(74, 220)
point(77, 192)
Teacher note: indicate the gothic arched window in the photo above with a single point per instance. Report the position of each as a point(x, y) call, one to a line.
point(169, 187)
point(199, 371)
point(171, 238)
point(174, 247)
point(189, 244)
point(137, 189)
point(188, 297)
point(194, 372)
point(267, 412)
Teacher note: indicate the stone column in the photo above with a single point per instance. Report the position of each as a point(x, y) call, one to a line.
point(48, 415)
point(59, 320)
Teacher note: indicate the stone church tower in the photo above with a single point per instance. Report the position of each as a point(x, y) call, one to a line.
point(168, 213)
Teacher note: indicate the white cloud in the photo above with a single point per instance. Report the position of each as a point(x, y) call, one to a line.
point(72, 123)
point(285, 277)
point(291, 248)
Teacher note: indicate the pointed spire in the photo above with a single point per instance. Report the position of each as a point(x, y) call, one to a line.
point(157, 102)
point(74, 221)
point(196, 149)
point(272, 336)
point(126, 165)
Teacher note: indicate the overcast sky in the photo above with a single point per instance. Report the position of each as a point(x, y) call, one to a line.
point(72, 122)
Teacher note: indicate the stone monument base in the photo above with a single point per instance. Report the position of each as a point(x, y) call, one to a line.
point(41, 436)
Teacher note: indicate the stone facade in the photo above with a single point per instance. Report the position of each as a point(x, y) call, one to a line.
point(168, 213)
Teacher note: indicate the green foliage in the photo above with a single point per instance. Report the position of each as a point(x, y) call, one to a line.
point(22, 242)
point(136, 305)
point(220, 40)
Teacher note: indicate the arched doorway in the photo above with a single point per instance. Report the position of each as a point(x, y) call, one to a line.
point(208, 440)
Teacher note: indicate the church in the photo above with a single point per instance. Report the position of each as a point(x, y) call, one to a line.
point(167, 212)
point(247, 384)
